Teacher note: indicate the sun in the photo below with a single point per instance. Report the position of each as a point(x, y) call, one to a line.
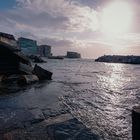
point(116, 18)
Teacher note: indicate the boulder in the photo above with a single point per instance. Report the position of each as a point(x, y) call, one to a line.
point(27, 79)
point(3, 78)
point(136, 123)
point(41, 73)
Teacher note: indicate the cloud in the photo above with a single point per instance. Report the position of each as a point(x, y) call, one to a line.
point(55, 15)
point(57, 42)
point(65, 24)
point(97, 4)
point(53, 41)
point(51, 16)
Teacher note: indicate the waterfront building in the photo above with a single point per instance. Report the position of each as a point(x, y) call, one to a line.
point(45, 50)
point(28, 46)
point(73, 55)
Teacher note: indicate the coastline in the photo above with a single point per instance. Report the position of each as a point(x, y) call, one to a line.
point(47, 125)
point(47, 119)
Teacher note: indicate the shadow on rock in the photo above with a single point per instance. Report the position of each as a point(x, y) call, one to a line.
point(70, 130)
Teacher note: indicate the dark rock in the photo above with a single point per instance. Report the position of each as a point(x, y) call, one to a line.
point(70, 130)
point(84, 135)
point(3, 78)
point(11, 119)
point(38, 116)
point(27, 79)
point(42, 73)
point(61, 135)
point(10, 60)
point(36, 121)
point(36, 59)
point(136, 123)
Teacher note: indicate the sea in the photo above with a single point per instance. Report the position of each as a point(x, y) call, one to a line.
point(100, 95)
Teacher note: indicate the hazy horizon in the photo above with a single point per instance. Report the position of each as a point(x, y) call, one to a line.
point(91, 27)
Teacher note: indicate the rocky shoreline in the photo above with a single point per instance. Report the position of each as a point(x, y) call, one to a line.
point(46, 118)
point(34, 124)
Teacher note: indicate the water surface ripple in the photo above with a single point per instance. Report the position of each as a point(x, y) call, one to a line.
point(100, 95)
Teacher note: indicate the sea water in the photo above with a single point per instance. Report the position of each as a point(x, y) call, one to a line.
point(100, 95)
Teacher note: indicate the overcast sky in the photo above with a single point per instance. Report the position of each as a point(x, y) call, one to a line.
point(72, 25)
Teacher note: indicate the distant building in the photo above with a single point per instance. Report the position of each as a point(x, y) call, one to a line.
point(28, 46)
point(8, 39)
point(73, 55)
point(45, 50)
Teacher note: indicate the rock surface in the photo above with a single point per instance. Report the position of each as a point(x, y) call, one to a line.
point(61, 127)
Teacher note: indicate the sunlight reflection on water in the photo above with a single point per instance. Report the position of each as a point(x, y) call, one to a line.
point(105, 103)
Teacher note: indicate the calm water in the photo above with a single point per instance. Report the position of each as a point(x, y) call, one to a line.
point(101, 95)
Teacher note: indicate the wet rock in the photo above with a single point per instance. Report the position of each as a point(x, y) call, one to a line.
point(38, 116)
point(136, 123)
point(42, 74)
point(24, 135)
point(36, 121)
point(3, 78)
point(70, 130)
point(53, 113)
point(11, 119)
point(46, 112)
point(85, 135)
point(36, 59)
point(62, 127)
point(61, 135)
point(37, 113)
point(8, 136)
point(38, 131)
point(27, 79)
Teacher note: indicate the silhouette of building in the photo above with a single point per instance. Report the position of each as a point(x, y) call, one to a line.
point(28, 46)
point(73, 55)
point(45, 50)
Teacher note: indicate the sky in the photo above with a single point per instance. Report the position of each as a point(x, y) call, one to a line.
point(91, 27)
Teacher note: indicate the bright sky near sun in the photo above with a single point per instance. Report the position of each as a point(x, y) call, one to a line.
point(117, 17)
point(91, 27)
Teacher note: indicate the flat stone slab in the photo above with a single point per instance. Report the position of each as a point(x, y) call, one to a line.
point(62, 127)
point(11, 119)
point(71, 129)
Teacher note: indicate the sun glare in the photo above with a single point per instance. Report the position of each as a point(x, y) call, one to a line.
point(116, 18)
